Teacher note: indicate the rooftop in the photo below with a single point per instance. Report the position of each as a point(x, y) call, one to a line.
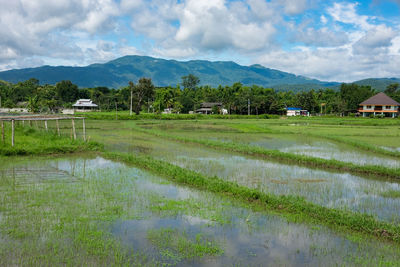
point(210, 104)
point(380, 99)
point(84, 103)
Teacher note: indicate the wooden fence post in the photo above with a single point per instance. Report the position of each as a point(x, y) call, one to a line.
point(84, 129)
point(45, 125)
point(12, 132)
point(58, 128)
point(2, 131)
point(73, 129)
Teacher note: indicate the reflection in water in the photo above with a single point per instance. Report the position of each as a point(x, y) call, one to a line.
point(247, 237)
point(326, 150)
point(328, 188)
point(331, 189)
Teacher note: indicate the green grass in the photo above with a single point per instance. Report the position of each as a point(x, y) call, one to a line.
point(124, 115)
point(391, 194)
point(176, 245)
point(55, 223)
point(30, 141)
point(295, 207)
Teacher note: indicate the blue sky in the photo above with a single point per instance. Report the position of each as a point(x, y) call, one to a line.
point(327, 40)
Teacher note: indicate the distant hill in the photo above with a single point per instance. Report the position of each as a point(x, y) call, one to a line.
point(379, 84)
point(119, 72)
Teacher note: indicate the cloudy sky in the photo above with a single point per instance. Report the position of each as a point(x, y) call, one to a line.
point(323, 39)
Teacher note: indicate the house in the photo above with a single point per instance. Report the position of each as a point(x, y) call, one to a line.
point(379, 104)
point(84, 105)
point(206, 107)
point(167, 111)
point(296, 112)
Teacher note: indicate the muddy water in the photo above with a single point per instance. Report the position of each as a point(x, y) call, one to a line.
point(246, 237)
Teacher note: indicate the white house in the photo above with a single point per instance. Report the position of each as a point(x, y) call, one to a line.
point(379, 104)
point(84, 105)
point(296, 112)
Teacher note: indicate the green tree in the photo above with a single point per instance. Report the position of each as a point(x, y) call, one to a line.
point(308, 101)
point(22, 90)
point(168, 98)
point(33, 104)
point(142, 92)
point(67, 92)
point(352, 95)
point(391, 89)
point(190, 82)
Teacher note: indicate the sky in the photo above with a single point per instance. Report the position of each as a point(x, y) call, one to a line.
point(340, 41)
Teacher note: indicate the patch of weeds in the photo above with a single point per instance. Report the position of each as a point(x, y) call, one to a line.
point(391, 194)
point(177, 246)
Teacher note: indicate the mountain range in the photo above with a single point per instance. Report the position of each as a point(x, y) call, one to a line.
point(119, 72)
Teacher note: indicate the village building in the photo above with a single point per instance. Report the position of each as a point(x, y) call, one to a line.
point(84, 105)
point(379, 104)
point(291, 111)
point(207, 107)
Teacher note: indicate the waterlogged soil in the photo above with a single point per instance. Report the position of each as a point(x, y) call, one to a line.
point(128, 204)
point(328, 188)
point(331, 189)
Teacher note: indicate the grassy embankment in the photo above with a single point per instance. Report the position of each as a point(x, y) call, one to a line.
point(124, 115)
point(30, 141)
point(282, 156)
point(295, 208)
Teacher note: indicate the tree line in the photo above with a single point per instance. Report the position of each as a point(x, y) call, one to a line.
point(187, 96)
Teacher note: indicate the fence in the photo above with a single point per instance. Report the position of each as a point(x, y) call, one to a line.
point(36, 119)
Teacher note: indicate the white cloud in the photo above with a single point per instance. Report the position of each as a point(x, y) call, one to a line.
point(376, 40)
point(130, 5)
point(321, 37)
point(293, 7)
point(98, 15)
point(209, 26)
point(32, 28)
point(347, 13)
point(333, 64)
point(337, 42)
point(323, 19)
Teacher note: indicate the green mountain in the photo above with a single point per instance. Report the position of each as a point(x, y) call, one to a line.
point(379, 84)
point(119, 72)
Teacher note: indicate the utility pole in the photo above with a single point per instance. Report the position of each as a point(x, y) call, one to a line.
point(248, 106)
point(130, 111)
point(131, 86)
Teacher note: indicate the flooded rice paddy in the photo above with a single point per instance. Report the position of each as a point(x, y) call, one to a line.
point(370, 195)
point(291, 143)
point(139, 218)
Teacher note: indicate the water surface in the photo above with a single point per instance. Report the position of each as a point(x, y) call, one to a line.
point(151, 202)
